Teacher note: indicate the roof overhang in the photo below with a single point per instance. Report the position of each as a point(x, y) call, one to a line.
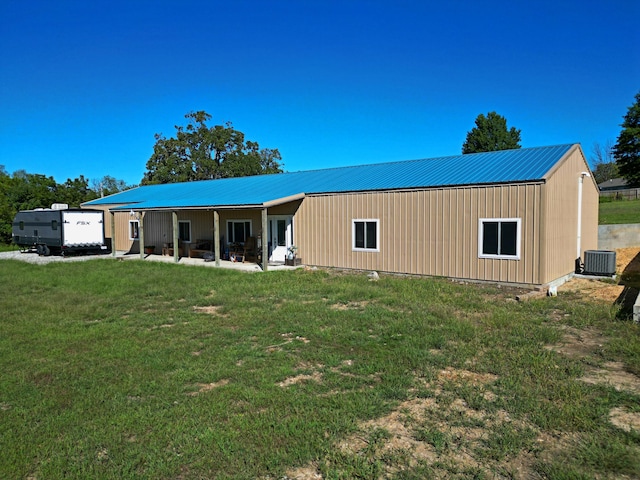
point(140, 206)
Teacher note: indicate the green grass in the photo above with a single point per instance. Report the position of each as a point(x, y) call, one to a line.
point(618, 211)
point(146, 370)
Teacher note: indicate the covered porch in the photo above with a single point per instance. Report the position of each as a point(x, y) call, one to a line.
point(234, 237)
point(247, 266)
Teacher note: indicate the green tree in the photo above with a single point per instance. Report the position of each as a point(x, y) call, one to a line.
point(6, 210)
point(604, 165)
point(627, 149)
point(109, 185)
point(22, 191)
point(74, 192)
point(491, 134)
point(200, 152)
point(31, 190)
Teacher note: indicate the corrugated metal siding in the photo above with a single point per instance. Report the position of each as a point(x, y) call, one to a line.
point(426, 232)
point(561, 216)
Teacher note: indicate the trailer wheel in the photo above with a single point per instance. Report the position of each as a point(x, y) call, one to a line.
point(40, 250)
point(46, 251)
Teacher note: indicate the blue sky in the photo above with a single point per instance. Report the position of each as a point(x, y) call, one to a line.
point(85, 85)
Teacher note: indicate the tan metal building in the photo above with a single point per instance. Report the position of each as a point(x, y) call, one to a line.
point(519, 216)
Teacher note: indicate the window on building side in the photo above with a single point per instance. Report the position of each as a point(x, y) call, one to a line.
point(184, 230)
point(499, 238)
point(365, 234)
point(238, 230)
point(133, 229)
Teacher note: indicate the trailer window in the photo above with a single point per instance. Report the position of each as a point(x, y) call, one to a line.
point(133, 229)
point(21, 225)
point(54, 224)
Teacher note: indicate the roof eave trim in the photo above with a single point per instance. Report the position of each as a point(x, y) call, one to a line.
point(280, 201)
point(271, 203)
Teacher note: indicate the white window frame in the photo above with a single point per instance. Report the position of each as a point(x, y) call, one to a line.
point(137, 229)
point(482, 221)
point(353, 234)
point(239, 220)
point(189, 223)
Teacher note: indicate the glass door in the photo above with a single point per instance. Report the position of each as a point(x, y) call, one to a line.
point(280, 237)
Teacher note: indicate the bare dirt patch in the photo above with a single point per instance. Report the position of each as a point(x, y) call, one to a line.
point(349, 306)
point(206, 387)
point(614, 375)
point(625, 420)
point(583, 343)
point(460, 376)
point(304, 473)
point(210, 310)
point(594, 289)
point(401, 431)
point(577, 343)
point(288, 338)
point(315, 377)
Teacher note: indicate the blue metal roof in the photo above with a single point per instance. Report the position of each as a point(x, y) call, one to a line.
point(506, 166)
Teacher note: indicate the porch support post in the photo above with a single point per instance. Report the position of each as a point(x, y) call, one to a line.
point(265, 241)
point(216, 236)
point(141, 235)
point(176, 240)
point(112, 217)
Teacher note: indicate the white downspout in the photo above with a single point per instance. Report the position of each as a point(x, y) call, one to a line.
point(579, 245)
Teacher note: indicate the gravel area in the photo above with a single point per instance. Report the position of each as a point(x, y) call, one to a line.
point(33, 257)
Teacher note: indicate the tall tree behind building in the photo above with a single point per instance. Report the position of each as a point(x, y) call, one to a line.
point(627, 149)
point(491, 134)
point(200, 152)
point(604, 165)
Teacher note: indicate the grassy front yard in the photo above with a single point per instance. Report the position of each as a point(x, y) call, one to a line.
point(147, 370)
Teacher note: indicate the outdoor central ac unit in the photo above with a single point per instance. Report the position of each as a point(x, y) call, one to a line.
point(599, 262)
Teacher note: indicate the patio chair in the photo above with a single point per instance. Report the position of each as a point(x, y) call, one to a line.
point(249, 249)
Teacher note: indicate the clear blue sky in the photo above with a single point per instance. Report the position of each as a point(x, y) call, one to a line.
point(85, 85)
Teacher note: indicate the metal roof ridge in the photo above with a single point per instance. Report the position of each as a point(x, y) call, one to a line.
point(393, 162)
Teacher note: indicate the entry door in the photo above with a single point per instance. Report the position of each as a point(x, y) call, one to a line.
point(280, 237)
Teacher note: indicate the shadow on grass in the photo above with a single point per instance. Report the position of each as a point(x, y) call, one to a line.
point(630, 278)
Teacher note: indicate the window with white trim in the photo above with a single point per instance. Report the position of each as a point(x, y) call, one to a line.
point(238, 230)
point(365, 235)
point(134, 226)
point(184, 230)
point(499, 238)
